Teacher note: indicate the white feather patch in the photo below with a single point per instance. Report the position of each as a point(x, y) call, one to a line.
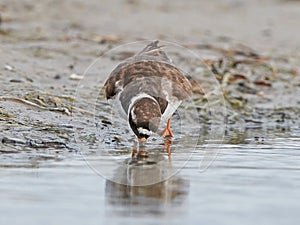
point(171, 108)
point(144, 131)
point(173, 102)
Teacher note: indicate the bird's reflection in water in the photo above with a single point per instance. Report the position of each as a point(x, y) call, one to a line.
point(144, 185)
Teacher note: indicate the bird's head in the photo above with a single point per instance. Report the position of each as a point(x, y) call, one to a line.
point(144, 117)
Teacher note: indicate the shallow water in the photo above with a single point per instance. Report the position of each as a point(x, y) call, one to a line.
point(48, 175)
point(254, 181)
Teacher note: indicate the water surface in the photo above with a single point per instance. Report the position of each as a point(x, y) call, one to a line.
point(254, 181)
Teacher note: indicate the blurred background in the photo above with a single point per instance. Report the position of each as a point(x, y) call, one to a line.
point(260, 23)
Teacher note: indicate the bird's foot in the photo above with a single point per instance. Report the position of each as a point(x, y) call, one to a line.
point(166, 133)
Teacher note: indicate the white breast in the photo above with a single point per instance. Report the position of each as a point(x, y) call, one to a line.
point(171, 108)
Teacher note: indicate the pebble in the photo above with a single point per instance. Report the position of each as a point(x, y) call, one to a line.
point(57, 76)
point(75, 76)
point(8, 67)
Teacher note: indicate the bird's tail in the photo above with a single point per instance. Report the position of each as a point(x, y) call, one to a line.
point(153, 50)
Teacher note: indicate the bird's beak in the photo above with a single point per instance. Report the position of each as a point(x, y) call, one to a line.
point(142, 140)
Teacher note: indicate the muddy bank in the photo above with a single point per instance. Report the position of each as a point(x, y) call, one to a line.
point(47, 46)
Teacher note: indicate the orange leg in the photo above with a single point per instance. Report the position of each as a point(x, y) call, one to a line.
point(167, 143)
point(134, 152)
point(137, 152)
point(167, 131)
